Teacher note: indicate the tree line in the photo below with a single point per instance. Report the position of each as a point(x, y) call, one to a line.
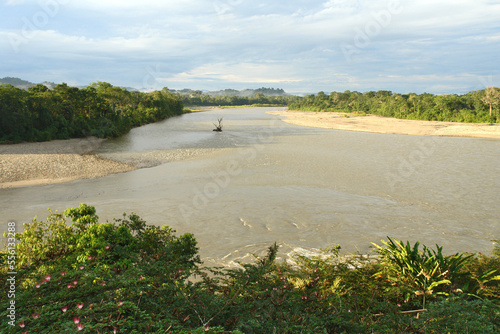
point(101, 110)
point(481, 106)
point(196, 98)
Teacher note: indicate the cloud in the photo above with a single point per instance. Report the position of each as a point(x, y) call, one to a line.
point(295, 44)
point(14, 2)
point(239, 73)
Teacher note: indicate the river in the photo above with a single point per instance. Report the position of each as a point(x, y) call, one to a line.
point(262, 181)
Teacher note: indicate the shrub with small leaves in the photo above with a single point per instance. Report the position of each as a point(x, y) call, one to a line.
point(130, 277)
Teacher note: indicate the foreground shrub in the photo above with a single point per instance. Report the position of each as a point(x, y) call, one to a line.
point(412, 271)
point(124, 275)
point(76, 274)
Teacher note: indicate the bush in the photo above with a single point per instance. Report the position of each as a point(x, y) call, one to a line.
point(74, 273)
point(421, 273)
point(125, 275)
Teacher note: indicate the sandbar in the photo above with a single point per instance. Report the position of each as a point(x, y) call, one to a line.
point(379, 124)
point(57, 161)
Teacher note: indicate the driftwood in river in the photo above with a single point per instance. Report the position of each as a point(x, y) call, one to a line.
point(218, 127)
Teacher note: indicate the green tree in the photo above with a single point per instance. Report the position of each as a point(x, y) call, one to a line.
point(14, 116)
point(491, 97)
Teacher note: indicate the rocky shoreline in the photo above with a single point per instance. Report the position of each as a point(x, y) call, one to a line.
point(29, 164)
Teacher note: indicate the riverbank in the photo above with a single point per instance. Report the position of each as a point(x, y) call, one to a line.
point(379, 124)
point(57, 161)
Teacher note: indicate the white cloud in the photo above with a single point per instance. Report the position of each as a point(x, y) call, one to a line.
point(297, 42)
point(133, 8)
point(14, 2)
point(237, 72)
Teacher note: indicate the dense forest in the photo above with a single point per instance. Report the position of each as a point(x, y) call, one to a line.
point(102, 110)
point(197, 98)
point(474, 107)
point(128, 276)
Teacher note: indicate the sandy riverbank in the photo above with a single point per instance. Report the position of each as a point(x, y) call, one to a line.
point(57, 161)
point(378, 124)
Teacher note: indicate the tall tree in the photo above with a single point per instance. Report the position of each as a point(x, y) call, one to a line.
point(491, 97)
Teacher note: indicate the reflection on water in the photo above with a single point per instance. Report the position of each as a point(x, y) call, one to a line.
point(262, 180)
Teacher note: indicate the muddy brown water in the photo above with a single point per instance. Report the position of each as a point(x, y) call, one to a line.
point(262, 181)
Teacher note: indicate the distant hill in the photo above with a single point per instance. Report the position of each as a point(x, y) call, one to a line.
point(233, 92)
point(16, 82)
point(24, 84)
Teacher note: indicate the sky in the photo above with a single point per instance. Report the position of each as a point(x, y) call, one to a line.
point(302, 46)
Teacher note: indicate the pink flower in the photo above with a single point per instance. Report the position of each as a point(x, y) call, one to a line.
point(179, 271)
point(304, 297)
point(69, 286)
point(38, 285)
point(64, 309)
point(80, 306)
point(80, 267)
point(141, 277)
point(76, 320)
point(107, 246)
point(63, 273)
point(75, 282)
point(103, 283)
point(36, 315)
point(22, 324)
point(47, 278)
point(90, 257)
point(115, 330)
point(79, 327)
point(120, 303)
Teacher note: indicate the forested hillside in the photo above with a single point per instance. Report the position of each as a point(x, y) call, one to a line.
point(102, 110)
point(476, 106)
